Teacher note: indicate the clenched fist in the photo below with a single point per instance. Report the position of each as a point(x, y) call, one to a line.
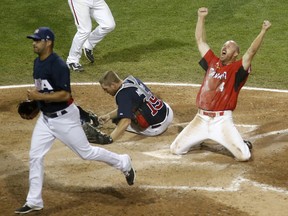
point(266, 25)
point(202, 12)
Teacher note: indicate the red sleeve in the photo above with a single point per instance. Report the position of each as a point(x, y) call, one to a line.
point(208, 58)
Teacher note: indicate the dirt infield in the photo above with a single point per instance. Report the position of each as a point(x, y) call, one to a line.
point(207, 181)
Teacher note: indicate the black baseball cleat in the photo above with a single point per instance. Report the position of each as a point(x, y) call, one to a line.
point(26, 209)
point(89, 54)
point(248, 143)
point(130, 176)
point(75, 67)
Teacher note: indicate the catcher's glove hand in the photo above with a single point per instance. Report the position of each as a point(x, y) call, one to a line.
point(94, 118)
point(89, 117)
point(94, 135)
point(28, 109)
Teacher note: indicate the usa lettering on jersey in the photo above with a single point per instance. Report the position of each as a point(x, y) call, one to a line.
point(43, 85)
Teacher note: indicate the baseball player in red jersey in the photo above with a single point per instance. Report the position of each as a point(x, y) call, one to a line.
point(83, 11)
point(217, 97)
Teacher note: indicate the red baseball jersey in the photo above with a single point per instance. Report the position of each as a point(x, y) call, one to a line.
point(221, 85)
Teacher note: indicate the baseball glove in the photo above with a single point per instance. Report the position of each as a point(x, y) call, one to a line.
point(94, 135)
point(28, 109)
point(89, 117)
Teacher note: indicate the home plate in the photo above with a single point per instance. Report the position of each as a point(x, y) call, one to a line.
point(163, 154)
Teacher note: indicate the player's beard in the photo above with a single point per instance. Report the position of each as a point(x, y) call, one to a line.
point(36, 50)
point(39, 48)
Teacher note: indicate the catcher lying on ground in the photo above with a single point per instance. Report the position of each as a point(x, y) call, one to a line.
point(29, 110)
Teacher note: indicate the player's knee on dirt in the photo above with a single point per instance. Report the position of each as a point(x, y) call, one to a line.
point(175, 150)
point(243, 157)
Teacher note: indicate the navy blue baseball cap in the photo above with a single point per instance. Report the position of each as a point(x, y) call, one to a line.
point(42, 33)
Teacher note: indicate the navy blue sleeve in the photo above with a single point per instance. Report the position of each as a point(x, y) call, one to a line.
point(124, 101)
point(61, 75)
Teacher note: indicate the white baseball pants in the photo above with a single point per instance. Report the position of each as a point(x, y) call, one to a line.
point(83, 11)
point(67, 128)
point(220, 129)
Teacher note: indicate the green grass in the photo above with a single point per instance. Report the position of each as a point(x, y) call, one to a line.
point(153, 40)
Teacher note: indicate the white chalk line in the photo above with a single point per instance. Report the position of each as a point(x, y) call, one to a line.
point(259, 136)
point(233, 187)
point(151, 83)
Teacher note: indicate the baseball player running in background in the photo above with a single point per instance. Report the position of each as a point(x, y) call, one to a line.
point(59, 118)
point(83, 11)
point(217, 97)
point(139, 110)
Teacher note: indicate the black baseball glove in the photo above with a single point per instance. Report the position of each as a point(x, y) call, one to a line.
point(28, 109)
point(94, 135)
point(88, 116)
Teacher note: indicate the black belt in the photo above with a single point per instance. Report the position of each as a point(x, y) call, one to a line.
point(55, 114)
point(156, 126)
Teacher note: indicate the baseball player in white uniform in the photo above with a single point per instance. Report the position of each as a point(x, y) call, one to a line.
point(59, 119)
point(83, 11)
